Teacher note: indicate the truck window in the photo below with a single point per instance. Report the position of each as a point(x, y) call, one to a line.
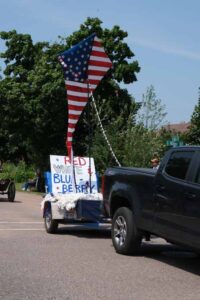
point(178, 164)
point(197, 178)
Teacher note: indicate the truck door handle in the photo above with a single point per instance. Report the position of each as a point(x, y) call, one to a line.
point(160, 188)
point(190, 195)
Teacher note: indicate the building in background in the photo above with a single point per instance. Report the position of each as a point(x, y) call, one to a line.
point(178, 128)
point(177, 133)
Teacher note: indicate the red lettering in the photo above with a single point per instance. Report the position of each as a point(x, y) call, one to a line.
point(66, 160)
point(78, 161)
point(75, 161)
point(90, 171)
point(82, 161)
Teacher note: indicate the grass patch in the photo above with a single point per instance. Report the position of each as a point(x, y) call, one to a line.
point(18, 186)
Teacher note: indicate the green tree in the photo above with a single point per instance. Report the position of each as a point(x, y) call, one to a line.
point(140, 146)
point(33, 97)
point(152, 113)
point(116, 135)
point(193, 135)
point(32, 100)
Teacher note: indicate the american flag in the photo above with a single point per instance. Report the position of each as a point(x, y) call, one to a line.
point(84, 65)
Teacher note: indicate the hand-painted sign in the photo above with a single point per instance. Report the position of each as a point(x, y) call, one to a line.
point(61, 175)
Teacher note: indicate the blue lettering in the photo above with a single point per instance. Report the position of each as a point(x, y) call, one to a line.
point(68, 179)
point(64, 188)
point(56, 178)
point(65, 178)
point(83, 189)
point(78, 188)
point(70, 189)
point(67, 188)
point(61, 179)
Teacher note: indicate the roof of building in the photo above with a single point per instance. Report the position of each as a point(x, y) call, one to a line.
point(181, 127)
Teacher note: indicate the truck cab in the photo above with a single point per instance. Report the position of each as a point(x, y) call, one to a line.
point(165, 202)
point(177, 196)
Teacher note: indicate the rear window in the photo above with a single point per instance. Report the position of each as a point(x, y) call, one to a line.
point(178, 164)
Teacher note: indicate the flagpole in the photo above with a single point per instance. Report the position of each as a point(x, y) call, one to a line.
point(90, 136)
point(72, 171)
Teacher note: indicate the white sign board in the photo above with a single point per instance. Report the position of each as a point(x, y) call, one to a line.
point(61, 175)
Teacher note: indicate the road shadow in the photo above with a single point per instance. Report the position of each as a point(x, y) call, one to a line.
point(164, 252)
point(82, 231)
point(172, 255)
point(3, 199)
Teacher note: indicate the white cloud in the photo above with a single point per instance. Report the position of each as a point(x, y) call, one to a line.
point(167, 49)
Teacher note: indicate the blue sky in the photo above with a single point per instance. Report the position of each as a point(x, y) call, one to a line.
point(164, 35)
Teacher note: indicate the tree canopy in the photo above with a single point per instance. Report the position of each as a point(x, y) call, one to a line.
point(193, 136)
point(152, 112)
point(33, 97)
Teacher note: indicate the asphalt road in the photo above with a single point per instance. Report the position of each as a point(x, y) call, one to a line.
point(78, 263)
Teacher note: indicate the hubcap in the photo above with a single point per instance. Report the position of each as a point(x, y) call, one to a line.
point(120, 230)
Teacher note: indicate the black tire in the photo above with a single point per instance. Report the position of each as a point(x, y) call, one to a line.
point(51, 225)
point(125, 236)
point(11, 192)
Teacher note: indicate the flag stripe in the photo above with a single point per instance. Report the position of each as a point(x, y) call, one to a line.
point(97, 43)
point(98, 58)
point(73, 117)
point(100, 64)
point(98, 49)
point(71, 126)
point(98, 68)
point(74, 93)
point(74, 98)
point(75, 107)
point(71, 129)
point(77, 103)
point(69, 133)
point(77, 89)
point(74, 112)
point(96, 72)
point(72, 121)
point(74, 83)
point(94, 77)
point(98, 53)
point(93, 81)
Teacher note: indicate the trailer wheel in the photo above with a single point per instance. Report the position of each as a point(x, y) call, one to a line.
point(51, 225)
point(11, 192)
point(125, 236)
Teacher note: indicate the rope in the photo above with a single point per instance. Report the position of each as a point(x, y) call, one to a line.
point(104, 133)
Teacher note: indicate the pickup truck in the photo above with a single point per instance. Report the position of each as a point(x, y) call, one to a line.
point(164, 202)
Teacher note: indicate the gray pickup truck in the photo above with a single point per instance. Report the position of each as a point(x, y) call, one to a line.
point(163, 202)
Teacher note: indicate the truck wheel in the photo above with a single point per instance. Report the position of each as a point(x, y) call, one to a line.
point(125, 237)
point(51, 225)
point(11, 192)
